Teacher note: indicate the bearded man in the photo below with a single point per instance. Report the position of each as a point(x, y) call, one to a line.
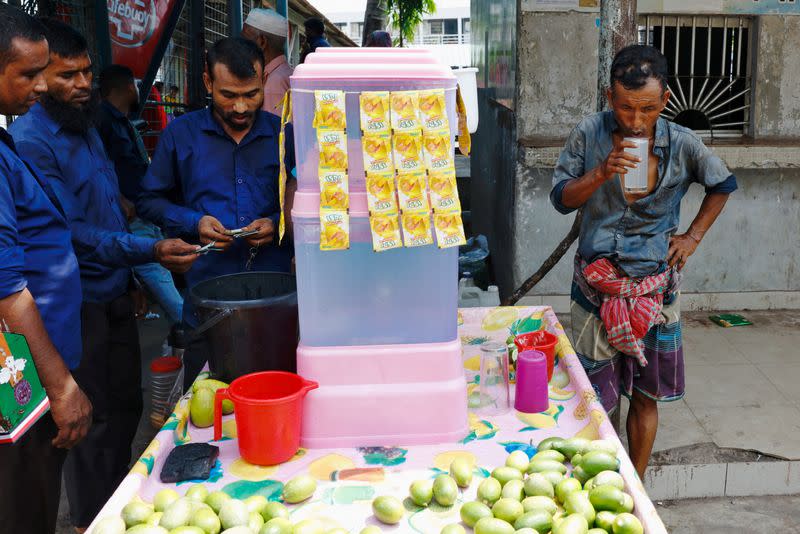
point(216, 170)
point(58, 138)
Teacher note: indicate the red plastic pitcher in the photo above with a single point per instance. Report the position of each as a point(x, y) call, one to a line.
point(543, 341)
point(268, 408)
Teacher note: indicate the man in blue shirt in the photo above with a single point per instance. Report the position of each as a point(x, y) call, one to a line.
point(40, 294)
point(58, 138)
point(125, 148)
point(315, 37)
point(625, 310)
point(216, 170)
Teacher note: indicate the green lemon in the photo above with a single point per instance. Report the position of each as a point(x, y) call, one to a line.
point(474, 511)
point(455, 528)
point(550, 443)
point(421, 492)
point(201, 408)
point(576, 459)
point(164, 498)
point(136, 512)
point(509, 510)
point(489, 490)
point(550, 454)
point(539, 520)
point(537, 484)
point(626, 523)
point(233, 513)
point(573, 446)
point(578, 503)
point(539, 502)
point(176, 514)
point(273, 510)
point(597, 531)
point(197, 492)
point(278, 525)
point(607, 498)
point(581, 475)
point(110, 525)
point(492, 525)
point(154, 519)
point(461, 471)
point(215, 500)
point(255, 521)
point(505, 473)
point(187, 530)
point(572, 524)
point(256, 503)
point(388, 509)
point(596, 461)
point(146, 529)
point(518, 460)
point(605, 520)
point(540, 466)
point(627, 506)
point(609, 478)
point(445, 490)
point(299, 489)
point(514, 489)
point(207, 520)
point(554, 477)
point(565, 487)
point(605, 445)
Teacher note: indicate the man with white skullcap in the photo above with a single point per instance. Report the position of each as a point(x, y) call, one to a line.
point(269, 29)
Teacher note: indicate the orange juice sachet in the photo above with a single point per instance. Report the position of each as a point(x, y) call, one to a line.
point(405, 111)
point(417, 228)
point(375, 112)
point(433, 111)
point(332, 150)
point(413, 192)
point(438, 151)
point(377, 150)
point(385, 232)
point(381, 194)
point(449, 230)
point(329, 110)
point(444, 192)
point(407, 148)
point(333, 190)
point(334, 230)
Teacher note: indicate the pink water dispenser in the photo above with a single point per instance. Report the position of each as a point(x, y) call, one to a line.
point(378, 330)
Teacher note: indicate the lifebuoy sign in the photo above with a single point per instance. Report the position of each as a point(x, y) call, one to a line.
point(136, 27)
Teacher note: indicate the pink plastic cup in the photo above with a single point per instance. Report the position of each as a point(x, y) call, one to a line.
point(531, 392)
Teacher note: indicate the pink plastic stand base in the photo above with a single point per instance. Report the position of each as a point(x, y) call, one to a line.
point(383, 395)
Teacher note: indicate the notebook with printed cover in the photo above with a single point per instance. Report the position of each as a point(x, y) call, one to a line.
point(22, 398)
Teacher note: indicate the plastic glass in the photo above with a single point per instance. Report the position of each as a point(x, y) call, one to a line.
point(635, 180)
point(494, 388)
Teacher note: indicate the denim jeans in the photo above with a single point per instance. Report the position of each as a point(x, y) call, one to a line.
point(156, 279)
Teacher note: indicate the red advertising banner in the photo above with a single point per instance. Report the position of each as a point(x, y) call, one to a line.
point(136, 27)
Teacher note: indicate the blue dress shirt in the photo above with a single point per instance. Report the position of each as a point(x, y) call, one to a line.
point(36, 252)
point(86, 185)
point(198, 170)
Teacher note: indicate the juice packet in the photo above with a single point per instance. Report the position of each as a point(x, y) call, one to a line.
point(377, 151)
point(444, 192)
point(334, 230)
point(407, 148)
point(329, 110)
point(333, 189)
point(385, 232)
point(332, 150)
point(375, 114)
point(417, 228)
point(413, 192)
point(381, 194)
point(405, 111)
point(438, 151)
point(433, 110)
point(449, 230)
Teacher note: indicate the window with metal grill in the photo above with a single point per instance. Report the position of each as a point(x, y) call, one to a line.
point(709, 70)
